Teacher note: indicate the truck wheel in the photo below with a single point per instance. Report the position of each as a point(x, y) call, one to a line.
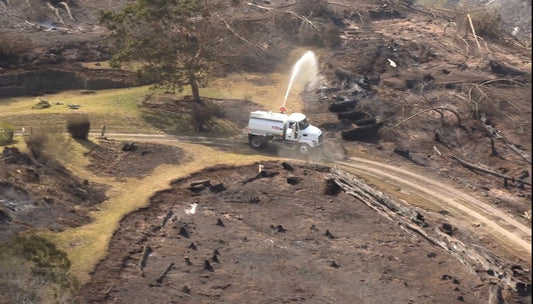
point(304, 149)
point(256, 142)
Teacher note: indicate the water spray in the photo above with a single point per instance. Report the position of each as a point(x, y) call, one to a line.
point(308, 60)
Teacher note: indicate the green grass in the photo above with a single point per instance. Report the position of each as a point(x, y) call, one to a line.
point(116, 108)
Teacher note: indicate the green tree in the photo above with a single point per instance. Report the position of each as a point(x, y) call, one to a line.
point(176, 42)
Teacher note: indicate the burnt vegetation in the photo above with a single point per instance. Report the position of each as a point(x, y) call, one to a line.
point(439, 92)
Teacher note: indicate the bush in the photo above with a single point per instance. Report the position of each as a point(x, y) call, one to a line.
point(11, 46)
point(7, 131)
point(201, 115)
point(78, 126)
point(487, 23)
point(36, 142)
point(49, 145)
point(34, 270)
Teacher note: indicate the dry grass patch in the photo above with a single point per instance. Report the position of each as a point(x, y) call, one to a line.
point(117, 108)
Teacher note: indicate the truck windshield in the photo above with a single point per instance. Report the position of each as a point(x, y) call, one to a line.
point(303, 124)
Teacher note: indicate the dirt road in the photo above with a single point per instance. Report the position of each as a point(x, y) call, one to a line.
point(511, 235)
point(497, 230)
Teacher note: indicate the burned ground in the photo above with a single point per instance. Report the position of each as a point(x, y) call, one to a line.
point(272, 238)
point(123, 159)
point(46, 195)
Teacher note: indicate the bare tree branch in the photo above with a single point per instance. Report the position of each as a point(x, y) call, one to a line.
point(239, 36)
point(304, 19)
point(432, 109)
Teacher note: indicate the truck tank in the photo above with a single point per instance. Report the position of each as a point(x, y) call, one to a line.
point(268, 124)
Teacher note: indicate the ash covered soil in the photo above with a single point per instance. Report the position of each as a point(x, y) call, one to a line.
point(41, 193)
point(38, 192)
point(231, 235)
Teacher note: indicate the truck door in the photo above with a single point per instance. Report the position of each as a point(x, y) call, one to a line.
point(292, 131)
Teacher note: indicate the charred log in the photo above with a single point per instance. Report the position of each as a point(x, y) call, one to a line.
point(408, 217)
point(217, 188)
point(385, 13)
point(365, 122)
point(208, 266)
point(183, 232)
point(497, 174)
point(364, 133)
point(493, 148)
point(164, 274)
point(287, 166)
point(294, 180)
point(402, 152)
point(352, 115)
point(331, 187)
point(342, 106)
point(144, 259)
point(501, 69)
point(262, 174)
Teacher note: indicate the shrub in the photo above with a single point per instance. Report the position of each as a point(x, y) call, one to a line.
point(7, 131)
point(487, 23)
point(36, 142)
point(49, 145)
point(201, 115)
point(11, 46)
point(78, 126)
point(34, 270)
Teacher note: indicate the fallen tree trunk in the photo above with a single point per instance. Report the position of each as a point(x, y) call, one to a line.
point(495, 295)
point(478, 168)
point(476, 258)
point(433, 109)
point(497, 135)
point(146, 252)
point(164, 274)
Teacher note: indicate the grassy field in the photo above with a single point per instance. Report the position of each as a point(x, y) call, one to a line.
point(121, 109)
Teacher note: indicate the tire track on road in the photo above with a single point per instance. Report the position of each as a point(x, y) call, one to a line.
point(518, 234)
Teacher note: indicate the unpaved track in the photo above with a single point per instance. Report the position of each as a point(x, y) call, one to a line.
point(500, 225)
point(496, 225)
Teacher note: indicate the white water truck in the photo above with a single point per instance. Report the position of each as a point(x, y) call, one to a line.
point(290, 131)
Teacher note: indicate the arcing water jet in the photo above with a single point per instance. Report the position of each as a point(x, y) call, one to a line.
point(307, 67)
